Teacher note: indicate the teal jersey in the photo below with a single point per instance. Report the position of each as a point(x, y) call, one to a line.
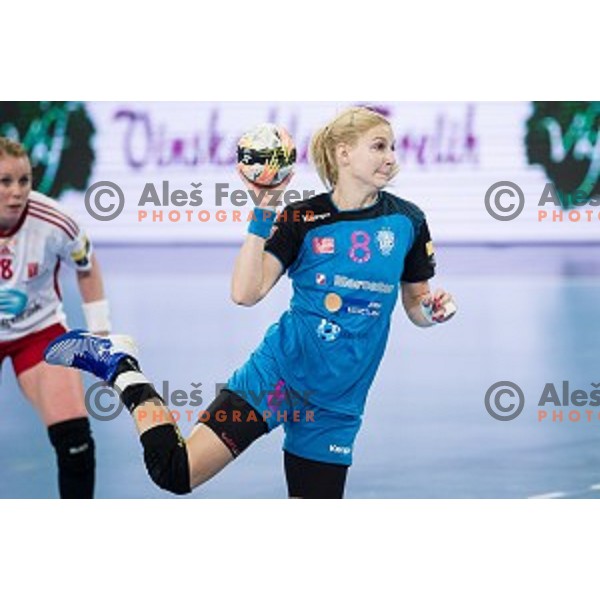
point(346, 269)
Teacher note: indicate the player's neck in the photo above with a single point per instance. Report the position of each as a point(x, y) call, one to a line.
point(351, 198)
point(6, 228)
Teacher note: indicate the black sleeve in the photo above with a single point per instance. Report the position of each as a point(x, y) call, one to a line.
point(285, 240)
point(419, 264)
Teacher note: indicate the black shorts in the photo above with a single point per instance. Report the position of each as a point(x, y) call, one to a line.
point(238, 425)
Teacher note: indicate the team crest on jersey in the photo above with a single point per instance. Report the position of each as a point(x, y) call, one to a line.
point(33, 270)
point(386, 240)
point(8, 248)
point(323, 245)
point(321, 279)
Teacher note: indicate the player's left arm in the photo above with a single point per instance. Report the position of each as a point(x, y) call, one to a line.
point(423, 307)
point(78, 254)
point(95, 304)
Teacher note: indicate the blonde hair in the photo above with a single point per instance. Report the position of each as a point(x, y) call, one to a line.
point(346, 128)
point(9, 147)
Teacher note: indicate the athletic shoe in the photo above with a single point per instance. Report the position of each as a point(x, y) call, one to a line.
point(92, 353)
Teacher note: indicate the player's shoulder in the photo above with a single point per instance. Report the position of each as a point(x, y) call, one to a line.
point(403, 207)
point(39, 200)
point(309, 213)
point(320, 202)
point(48, 214)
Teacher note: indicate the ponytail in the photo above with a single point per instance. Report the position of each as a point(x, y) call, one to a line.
point(322, 156)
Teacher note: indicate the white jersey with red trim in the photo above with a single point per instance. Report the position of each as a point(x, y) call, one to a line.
point(30, 257)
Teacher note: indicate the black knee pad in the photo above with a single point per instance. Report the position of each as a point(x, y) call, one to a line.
point(75, 452)
point(166, 458)
point(74, 444)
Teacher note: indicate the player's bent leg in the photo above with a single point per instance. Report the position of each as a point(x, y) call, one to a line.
point(113, 359)
point(166, 458)
point(228, 427)
point(57, 395)
point(172, 463)
point(207, 455)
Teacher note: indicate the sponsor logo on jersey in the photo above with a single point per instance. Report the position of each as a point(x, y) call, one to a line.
point(321, 279)
point(335, 449)
point(363, 284)
point(386, 241)
point(323, 245)
point(8, 322)
point(361, 307)
point(6, 250)
point(311, 217)
point(328, 331)
point(333, 302)
point(81, 257)
point(33, 270)
point(430, 251)
point(12, 304)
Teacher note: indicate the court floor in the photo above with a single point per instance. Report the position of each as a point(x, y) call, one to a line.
point(530, 315)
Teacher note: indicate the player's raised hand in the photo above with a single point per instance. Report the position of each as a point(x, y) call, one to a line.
point(270, 197)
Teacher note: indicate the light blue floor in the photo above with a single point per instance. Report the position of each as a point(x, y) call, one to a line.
point(529, 315)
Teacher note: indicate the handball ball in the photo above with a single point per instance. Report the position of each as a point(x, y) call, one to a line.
point(266, 155)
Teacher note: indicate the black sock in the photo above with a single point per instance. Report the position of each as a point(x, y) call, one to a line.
point(133, 390)
point(128, 363)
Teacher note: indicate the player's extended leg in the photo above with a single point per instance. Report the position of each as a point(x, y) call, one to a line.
point(173, 464)
point(57, 395)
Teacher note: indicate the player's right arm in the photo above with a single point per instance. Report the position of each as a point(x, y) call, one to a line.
point(256, 272)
